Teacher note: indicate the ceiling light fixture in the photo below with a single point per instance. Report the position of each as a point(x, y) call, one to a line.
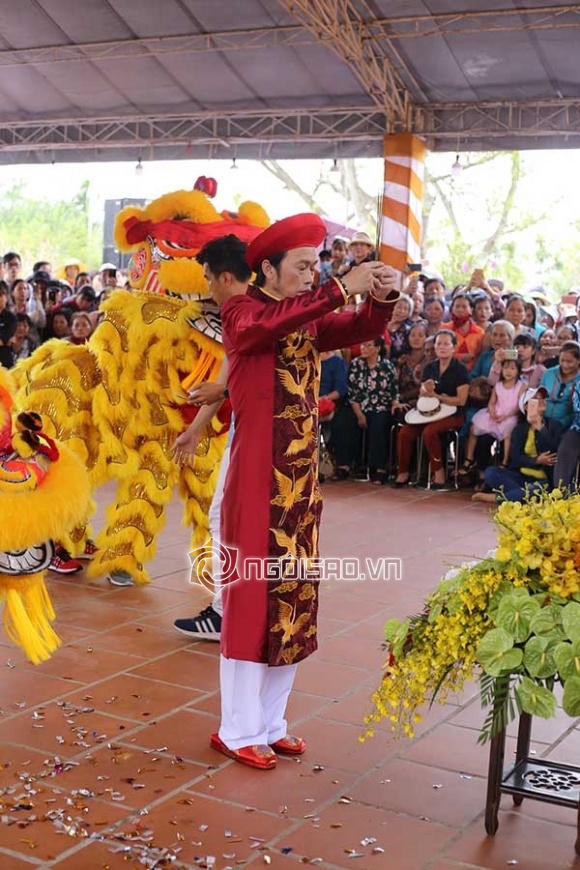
point(456, 168)
point(234, 164)
point(334, 167)
point(139, 167)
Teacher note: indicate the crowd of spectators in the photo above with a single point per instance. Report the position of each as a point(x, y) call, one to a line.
point(464, 361)
point(498, 370)
point(44, 305)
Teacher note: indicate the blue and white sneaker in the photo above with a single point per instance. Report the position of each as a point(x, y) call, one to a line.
point(207, 625)
point(120, 578)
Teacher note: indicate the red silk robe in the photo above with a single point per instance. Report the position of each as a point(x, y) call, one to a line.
point(272, 503)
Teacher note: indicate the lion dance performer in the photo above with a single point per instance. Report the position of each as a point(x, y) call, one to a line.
point(121, 399)
point(44, 488)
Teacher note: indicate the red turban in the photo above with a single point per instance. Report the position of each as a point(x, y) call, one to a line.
point(299, 231)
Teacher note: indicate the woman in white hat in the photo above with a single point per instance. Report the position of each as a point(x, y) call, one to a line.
point(360, 250)
point(444, 389)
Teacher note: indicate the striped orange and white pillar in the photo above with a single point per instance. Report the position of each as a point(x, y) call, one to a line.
point(400, 231)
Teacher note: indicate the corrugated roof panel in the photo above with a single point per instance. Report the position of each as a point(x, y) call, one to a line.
point(561, 50)
point(86, 21)
point(209, 78)
point(508, 67)
point(238, 14)
point(271, 79)
point(332, 75)
point(148, 18)
point(111, 84)
point(24, 24)
point(33, 93)
point(476, 55)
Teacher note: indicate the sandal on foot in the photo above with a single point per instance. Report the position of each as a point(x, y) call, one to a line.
point(466, 468)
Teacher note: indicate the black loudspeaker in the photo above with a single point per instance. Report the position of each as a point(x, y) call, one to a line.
point(110, 252)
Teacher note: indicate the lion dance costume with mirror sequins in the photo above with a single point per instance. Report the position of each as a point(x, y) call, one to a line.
point(118, 400)
point(44, 488)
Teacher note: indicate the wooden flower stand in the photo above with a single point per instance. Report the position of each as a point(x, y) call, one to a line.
point(536, 779)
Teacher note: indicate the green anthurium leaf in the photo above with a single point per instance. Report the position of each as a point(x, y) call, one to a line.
point(567, 658)
point(571, 620)
point(435, 612)
point(392, 626)
point(496, 653)
point(505, 588)
point(536, 700)
point(515, 613)
point(555, 634)
point(539, 658)
point(558, 599)
point(397, 632)
point(571, 696)
point(548, 618)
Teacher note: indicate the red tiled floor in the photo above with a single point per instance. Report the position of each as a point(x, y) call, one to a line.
point(341, 828)
point(299, 789)
point(41, 839)
point(137, 641)
point(214, 827)
point(182, 669)
point(534, 844)
point(18, 763)
point(185, 734)
point(83, 664)
point(129, 776)
point(451, 748)
point(22, 688)
point(134, 697)
point(419, 790)
point(128, 702)
point(454, 865)
point(331, 681)
point(8, 861)
point(62, 730)
point(343, 648)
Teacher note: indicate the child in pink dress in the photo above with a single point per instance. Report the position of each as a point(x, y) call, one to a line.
point(501, 414)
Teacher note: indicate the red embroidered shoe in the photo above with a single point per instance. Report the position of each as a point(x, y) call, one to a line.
point(289, 745)
point(260, 757)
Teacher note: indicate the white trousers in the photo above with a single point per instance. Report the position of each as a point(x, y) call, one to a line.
point(214, 527)
point(253, 702)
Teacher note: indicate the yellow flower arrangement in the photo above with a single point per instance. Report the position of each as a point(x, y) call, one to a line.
point(512, 618)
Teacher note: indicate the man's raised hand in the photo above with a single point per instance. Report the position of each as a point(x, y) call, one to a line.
point(372, 277)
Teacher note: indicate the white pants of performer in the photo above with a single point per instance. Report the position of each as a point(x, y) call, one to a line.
point(253, 702)
point(253, 696)
point(214, 527)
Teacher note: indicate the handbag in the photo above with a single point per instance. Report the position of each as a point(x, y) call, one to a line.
point(325, 463)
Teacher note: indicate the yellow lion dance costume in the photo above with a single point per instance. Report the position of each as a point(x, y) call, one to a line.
point(43, 489)
point(118, 401)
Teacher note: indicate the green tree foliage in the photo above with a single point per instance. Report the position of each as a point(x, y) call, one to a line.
point(51, 230)
point(560, 263)
point(475, 220)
